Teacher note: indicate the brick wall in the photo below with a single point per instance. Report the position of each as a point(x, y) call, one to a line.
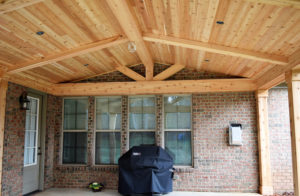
point(13, 151)
point(280, 140)
point(218, 166)
point(53, 127)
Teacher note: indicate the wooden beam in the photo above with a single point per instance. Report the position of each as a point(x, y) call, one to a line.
point(98, 74)
point(276, 75)
point(30, 82)
point(266, 187)
point(130, 26)
point(130, 73)
point(123, 69)
point(109, 42)
point(153, 87)
point(169, 72)
point(12, 5)
point(215, 48)
point(281, 3)
point(3, 90)
point(293, 80)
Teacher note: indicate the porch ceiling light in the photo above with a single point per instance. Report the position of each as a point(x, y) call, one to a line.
point(24, 101)
point(131, 47)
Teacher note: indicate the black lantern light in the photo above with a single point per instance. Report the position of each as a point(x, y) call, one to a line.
point(24, 101)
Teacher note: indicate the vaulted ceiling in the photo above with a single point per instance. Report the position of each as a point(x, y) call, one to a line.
point(84, 38)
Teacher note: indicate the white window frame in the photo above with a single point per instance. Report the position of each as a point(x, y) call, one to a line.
point(108, 130)
point(179, 130)
point(72, 131)
point(37, 133)
point(140, 130)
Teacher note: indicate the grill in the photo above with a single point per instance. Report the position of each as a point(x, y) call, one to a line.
point(144, 170)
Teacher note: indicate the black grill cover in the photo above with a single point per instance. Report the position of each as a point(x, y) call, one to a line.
point(145, 169)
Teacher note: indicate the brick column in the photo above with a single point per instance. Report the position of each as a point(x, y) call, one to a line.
point(124, 128)
point(266, 187)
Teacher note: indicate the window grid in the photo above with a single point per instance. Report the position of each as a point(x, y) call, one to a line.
point(112, 158)
point(30, 114)
point(74, 131)
point(165, 130)
point(140, 130)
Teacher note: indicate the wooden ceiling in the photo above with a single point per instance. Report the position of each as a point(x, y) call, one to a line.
point(84, 38)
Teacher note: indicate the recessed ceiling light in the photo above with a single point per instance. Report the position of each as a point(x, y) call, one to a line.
point(220, 22)
point(40, 33)
point(86, 64)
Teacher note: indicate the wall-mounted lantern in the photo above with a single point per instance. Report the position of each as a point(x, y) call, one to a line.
point(24, 101)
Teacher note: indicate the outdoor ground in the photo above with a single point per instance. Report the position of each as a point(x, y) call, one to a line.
point(77, 192)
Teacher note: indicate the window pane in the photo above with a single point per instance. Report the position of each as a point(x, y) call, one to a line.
point(26, 156)
point(184, 120)
point(171, 120)
point(81, 106)
point(33, 122)
point(135, 121)
point(142, 113)
point(178, 145)
point(136, 113)
point(30, 139)
point(107, 148)
point(138, 138)
point(108, 114)
point(177, 112)
point(69, 106)
point(75, 114)
point(33, 106)
point(102, 121)
point(81, 122)
point(30, 143)
point(75, 147)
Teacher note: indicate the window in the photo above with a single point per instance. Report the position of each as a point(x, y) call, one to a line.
point(31, 133)
point(108, 127)
point(75, 131)
point(177, 128)
point(142, 122)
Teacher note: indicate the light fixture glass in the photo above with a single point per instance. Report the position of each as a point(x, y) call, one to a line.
point(24, 101)
point(131, 47)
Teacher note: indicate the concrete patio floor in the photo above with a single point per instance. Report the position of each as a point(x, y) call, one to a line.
point(85, 192)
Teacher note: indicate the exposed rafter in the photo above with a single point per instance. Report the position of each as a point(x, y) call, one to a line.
point(98, 74)
point(276, 75)
point(122, 11)
point(130, 73)
point(123, 69)
point(9, 6)
point(30, 82)
point(109, 42)
point(169, 72)
point(215, 48)
point(153, 87)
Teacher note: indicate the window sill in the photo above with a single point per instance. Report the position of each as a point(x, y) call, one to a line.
point(184, 169)
point(72, 165)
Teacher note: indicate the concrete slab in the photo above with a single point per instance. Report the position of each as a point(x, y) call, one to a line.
point(85, 192)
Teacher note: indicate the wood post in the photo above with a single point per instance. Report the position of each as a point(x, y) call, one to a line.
point(3, 89)
point(293, 80)
point(266, 187)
